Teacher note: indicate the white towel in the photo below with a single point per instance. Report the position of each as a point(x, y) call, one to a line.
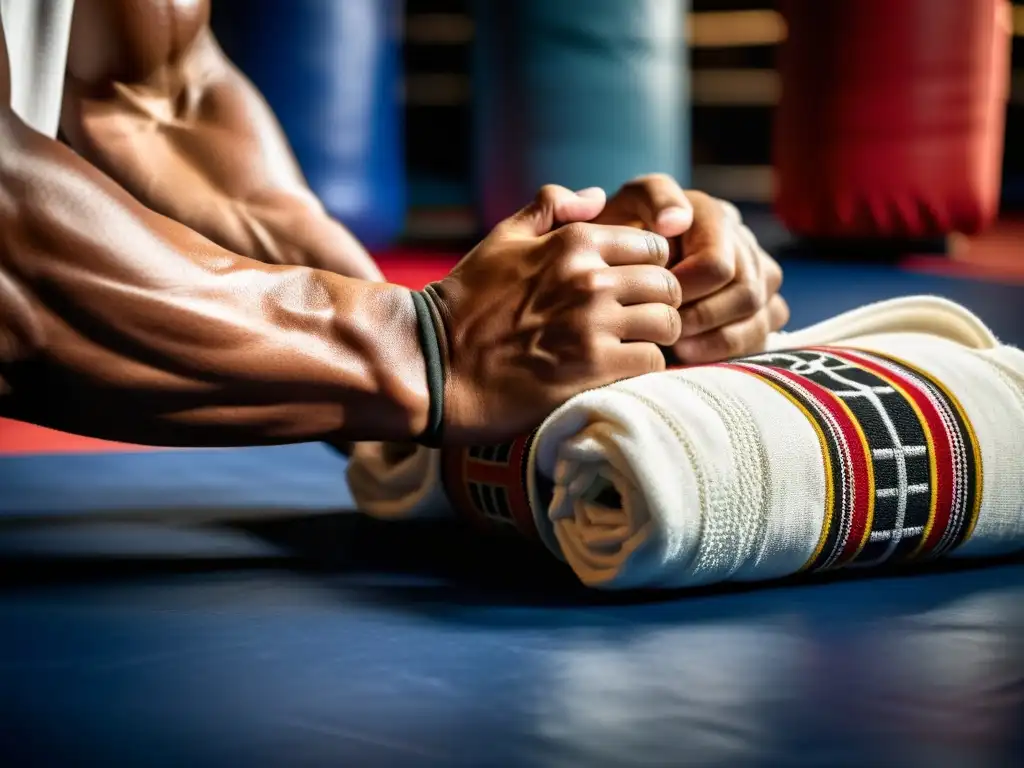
point(891, 433)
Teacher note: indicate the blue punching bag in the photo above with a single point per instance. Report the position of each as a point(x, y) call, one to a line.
point(331, 71)
point(579, 94)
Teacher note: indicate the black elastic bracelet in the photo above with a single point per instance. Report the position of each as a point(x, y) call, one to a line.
point(430, 344)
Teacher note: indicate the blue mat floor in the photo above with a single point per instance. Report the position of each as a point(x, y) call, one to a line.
point(325, 639)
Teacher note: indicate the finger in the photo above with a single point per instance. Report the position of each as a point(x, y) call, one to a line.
point(710, 248)
point(769, 268)
point(657, 202)
point(732, 213)
point(583, 205)
point(553, 206)
point(735, 340)
point(772, 273)
point(620, 245)
point(778, 313)
point(657, 323)
point(636, 359)
point(740, 299)
point(706, 272)
point(746, 236)
point(645, 284)
point(710, 220)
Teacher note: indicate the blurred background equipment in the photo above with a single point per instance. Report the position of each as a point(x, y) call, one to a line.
point(734, 87)
point(890, 122)
point(332, 73)
point(576, 96)
point(463, 108)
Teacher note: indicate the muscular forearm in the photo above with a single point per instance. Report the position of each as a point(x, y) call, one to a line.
point(119, 323)
point(281, 228)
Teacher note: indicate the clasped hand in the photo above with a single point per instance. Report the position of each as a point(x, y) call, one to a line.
point(729, 284)
point(577, 291)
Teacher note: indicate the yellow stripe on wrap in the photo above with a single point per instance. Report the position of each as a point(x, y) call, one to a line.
point(830, 491)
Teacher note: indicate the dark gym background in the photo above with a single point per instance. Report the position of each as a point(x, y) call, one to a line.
point(733, 85)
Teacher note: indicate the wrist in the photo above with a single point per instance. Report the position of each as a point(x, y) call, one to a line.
point(415, 397)
point(433, 347)
point(389, 331)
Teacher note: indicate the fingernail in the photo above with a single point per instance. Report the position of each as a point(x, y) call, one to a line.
point(592, 192)
point(676, 216)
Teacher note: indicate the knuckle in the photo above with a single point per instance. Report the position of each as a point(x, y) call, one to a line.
point(567, 267)
point(719, 268)
point(732, 342)
point(548, 194)
point(749, 296)
point(576, 236)
point(589, 282)
point(724, 269)
point(773, 272)
point(784, 314)
point(654, 178)
point(730, 211)
point(780, 314)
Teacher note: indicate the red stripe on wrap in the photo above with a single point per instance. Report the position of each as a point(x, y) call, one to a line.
point(856, 473)
point(458, 469)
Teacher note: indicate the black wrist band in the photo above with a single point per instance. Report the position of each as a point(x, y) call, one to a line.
point(431, 346)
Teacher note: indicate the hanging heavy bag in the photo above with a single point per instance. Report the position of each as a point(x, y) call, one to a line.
point(891, 118)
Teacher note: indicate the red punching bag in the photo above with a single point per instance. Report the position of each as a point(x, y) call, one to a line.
point(891, 119)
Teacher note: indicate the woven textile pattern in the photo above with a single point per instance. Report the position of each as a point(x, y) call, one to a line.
point(903, 468)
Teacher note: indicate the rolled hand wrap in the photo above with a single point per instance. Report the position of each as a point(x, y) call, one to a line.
point(890, 434)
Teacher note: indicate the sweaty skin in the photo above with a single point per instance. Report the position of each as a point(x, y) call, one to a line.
point(119, 322)
point(152, 101)
point(129, 308)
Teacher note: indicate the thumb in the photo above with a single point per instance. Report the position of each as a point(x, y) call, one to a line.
point(553, 207)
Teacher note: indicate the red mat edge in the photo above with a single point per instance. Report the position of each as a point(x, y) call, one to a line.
point(945, 267)
point(20, 439)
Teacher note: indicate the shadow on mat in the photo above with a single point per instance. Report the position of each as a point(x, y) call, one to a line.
point(456, 575)
point(339, 544)
point(444, 571)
